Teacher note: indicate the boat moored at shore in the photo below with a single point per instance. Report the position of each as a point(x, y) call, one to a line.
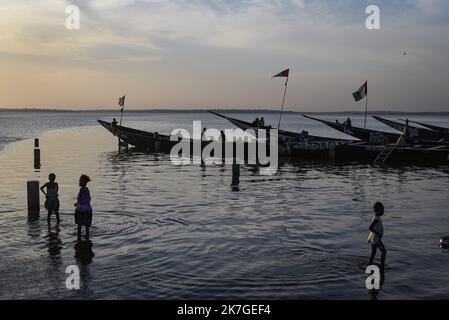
point(415, 132)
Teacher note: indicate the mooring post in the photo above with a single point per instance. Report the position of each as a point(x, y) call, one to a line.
point(37, 154)
point(201, 155)
point(33, 199)
point(257, 146)
point(223, 146)
point(235, 173)
point(122, 144)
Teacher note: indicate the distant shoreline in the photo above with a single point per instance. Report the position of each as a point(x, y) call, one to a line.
point(25, 110)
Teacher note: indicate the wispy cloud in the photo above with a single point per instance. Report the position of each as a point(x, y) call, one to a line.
point(320, 38)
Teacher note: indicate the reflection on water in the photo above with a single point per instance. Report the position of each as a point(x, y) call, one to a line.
point(83, 252)
point(164, 231)
point(54, 244)
point(34, 228)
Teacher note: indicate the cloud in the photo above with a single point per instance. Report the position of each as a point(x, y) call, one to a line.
point(142, 24)
point(323, 39)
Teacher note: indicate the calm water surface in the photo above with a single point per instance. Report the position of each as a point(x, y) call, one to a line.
point(162, 231)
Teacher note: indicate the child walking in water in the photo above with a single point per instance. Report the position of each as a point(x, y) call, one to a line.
point(83, 211)
point(376, 233)
point(51, 195)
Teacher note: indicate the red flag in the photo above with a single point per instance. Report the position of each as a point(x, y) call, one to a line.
point(283, 74)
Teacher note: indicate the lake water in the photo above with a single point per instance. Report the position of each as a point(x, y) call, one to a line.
point(168, 232)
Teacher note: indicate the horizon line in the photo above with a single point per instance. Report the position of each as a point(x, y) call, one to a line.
point(238, 110)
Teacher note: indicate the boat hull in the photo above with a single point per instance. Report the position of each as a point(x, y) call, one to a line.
point(422, 156)
point(415, 132)
point(367, 135)
point(152, 142)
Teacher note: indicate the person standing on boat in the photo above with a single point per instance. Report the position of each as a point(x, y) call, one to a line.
point(51, 197)
point(348, 122)
point(114, 124)
point(376, 234)
point(256, 122)
point(83, 211)
point(262, 122)
point(304, 137)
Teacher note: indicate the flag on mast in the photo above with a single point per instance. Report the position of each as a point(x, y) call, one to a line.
point(283, 74)
point(121, 101)
point(361, 93)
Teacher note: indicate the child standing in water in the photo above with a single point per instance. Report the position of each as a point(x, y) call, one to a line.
point(376, 233)
point(83, 211)
point(51, 195)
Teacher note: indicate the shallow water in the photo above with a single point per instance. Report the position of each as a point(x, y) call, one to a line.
point(163, 231)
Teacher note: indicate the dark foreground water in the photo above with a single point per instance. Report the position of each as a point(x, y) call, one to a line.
point(163, 231)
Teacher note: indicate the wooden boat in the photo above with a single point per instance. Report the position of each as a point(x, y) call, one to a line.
point(372, 136)
point(154, 142)
point(431, 127)
point(244, 125)
point(415, 132)
point(353, 152)
point(140, 139)
point(293, 143)
point(157, 143)
point(422, 155)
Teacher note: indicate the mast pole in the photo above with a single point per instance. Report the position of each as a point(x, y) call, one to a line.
point(283, 101)
point(366, 102)
point(121, 113)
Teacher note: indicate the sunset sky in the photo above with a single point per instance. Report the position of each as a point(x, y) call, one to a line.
point(222, 54)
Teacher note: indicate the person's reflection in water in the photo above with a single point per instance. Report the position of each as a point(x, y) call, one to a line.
point(54, 244)
point(83, 252)
point(375, 293)
point(84, 257)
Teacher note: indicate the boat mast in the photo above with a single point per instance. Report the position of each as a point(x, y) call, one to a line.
point(282, 107)
point(122, 104)
point(366, 103)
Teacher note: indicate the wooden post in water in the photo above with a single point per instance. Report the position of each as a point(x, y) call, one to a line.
point(201, 156)
point(257, 146)
point(235, 174)
point(122, 144)
point(37, 154)
point(33, 199)
point(223, 146)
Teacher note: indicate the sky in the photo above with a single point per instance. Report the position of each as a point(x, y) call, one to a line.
point(184, 54)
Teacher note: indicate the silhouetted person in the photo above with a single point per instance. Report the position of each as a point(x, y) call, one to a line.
point(348, 122)
point(114, 122)
point(304, 136)
point(376, 233)
point(262, 122)
point(406, 128)
point(256, 122)
point(83, 211)
point(51, 189)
